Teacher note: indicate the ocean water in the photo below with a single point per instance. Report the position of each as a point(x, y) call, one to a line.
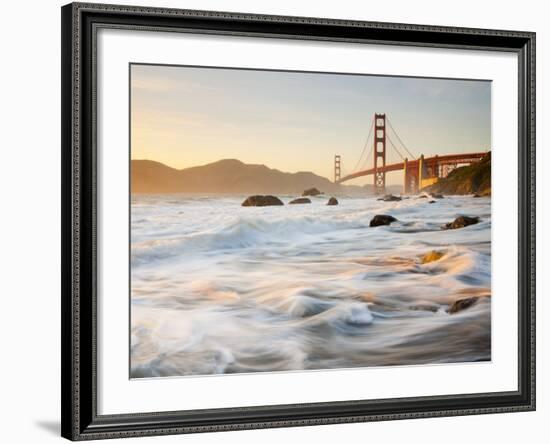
point(219, 288)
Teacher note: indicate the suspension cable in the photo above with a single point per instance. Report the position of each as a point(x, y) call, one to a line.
point(399, 138)
point(343, 170)
point(364, 146)
point(395, 148)
point(364, 164)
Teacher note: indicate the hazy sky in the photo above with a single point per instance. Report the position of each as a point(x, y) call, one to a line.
point(183, 116)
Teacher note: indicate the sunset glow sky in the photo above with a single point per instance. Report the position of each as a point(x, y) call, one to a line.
point(184, 116)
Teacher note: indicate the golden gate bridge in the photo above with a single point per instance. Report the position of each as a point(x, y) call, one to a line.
point(419, 171)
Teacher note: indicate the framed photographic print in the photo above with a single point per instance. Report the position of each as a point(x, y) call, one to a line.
point(280, 221)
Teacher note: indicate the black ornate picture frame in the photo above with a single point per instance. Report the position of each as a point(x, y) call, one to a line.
point(80, 419)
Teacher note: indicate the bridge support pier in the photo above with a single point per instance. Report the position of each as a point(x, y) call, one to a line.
point(405, 190)
point(428, 172)
point(410, 177)
point(420, 172)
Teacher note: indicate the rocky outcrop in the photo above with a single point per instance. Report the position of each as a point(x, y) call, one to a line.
point(462, 304)
point(389, 198)
point(474, 178)
point(461, 222)
point(311, 192)
point(332, 201)
point(300, 200)
point(425, 307)
point(382, 219)
point(261, 201)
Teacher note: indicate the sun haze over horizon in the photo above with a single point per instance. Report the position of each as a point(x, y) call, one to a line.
point(297, 121)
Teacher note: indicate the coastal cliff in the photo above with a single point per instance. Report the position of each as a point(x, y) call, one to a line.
point(471, 179)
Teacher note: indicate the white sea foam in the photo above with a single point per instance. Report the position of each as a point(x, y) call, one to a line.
point(219, 288)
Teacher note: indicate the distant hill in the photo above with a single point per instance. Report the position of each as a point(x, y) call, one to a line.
point(474, 178)
point(229, 176)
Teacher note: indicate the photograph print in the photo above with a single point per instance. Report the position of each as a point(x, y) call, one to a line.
point(295, 221)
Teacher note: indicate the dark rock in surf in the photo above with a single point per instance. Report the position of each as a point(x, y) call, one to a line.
point(422, 196)
point(261, 201)
point(300, 200)
point(389, 198)
point(425, 307)
point(461, 222)
point(382, 219)
point(462, 304)
point(332, 201)
point(311, 192)
point(436, 196)
point(476, 195)
point(431, 201)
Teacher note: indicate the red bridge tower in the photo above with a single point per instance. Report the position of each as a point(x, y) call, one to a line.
point(379, 153)
point(337, 169)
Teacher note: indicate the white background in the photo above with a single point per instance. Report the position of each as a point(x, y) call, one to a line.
point(30, 231)
point(118, 394)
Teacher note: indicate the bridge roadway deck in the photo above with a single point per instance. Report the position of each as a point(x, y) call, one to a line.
point(447, 159)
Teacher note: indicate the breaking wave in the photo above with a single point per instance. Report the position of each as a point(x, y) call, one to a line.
point(218, 288)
